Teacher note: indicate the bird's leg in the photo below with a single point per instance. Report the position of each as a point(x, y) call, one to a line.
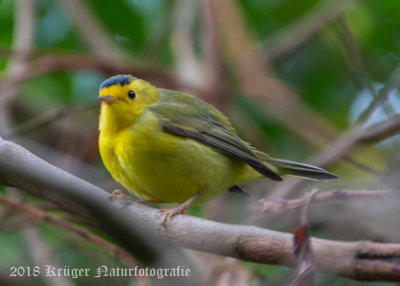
point(119, 195)
point(169, 213)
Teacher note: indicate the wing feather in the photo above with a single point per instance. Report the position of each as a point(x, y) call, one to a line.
point(195, 119)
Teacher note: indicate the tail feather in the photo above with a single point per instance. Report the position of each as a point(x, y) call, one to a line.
point(306, 171)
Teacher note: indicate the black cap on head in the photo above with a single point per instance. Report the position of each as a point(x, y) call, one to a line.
point(118, 79)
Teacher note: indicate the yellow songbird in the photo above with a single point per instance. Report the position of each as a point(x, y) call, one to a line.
point(170, 147)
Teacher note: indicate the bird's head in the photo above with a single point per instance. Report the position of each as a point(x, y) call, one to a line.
point(123, 98)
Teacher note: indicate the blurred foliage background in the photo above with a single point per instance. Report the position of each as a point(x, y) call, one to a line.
point(292, 76)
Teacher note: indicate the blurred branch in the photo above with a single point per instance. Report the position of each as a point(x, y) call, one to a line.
point(4, 213)
point(221, 271)
point(214, 90)
point(47, 118)
point(306, 274)
point(381, 131)
point(23, 34)
point(280, 101)
point(278, 206)
point(383, 95)
point(58, 222)
point(342, 145)
point(354, 57)
point(34, 244)
point(6, 279)
point(330, 154)
point(358, 260)
point(52, 63)
point(17, 224)
point(42, 256)
point(300, 31)
point(160, 35)
point(91, 30)
point(189, 69)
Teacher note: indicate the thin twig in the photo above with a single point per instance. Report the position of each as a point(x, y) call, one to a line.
point(278, 206)
point(306, 274)
point(308, 199)
point(353, 56)
point(392, 84)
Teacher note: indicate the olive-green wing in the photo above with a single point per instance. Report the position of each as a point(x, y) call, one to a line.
point(183, 115)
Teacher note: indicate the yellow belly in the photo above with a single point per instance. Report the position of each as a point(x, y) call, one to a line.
point(161, 166)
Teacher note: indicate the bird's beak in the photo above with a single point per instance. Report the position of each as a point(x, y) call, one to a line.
point(108, 99)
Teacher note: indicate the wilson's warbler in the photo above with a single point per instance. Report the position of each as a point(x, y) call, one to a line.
point(170, 147)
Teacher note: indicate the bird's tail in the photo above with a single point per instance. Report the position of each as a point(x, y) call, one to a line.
point(306, 171)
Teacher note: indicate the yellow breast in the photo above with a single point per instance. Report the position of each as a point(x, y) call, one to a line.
point(161, 166)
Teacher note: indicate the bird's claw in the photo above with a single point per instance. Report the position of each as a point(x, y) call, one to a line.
point(119, 195)
point(170, 213)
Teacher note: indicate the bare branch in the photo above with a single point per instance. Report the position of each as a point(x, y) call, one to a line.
point(278, 206)
point(21, 169)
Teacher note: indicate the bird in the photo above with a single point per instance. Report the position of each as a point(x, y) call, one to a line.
point(167, 146)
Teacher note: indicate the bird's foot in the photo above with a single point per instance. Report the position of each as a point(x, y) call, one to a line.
point(170, 213)
point(119, 195)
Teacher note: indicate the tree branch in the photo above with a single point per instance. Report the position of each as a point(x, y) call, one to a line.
point(358, 260)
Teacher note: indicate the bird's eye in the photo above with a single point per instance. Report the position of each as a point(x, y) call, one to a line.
point(131, 94)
